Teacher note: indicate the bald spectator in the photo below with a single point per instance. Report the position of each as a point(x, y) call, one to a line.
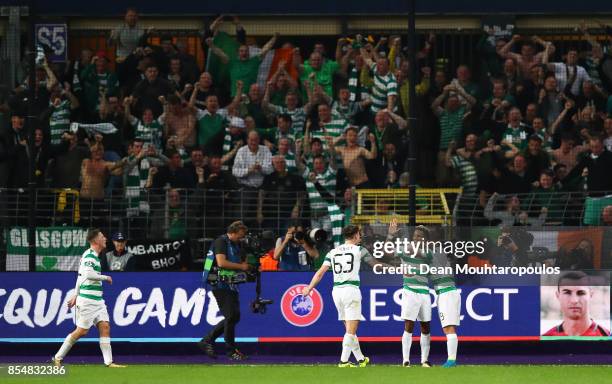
point(252, 163)
point(204, 87)
point(466, 87)
point(598, 163)
point(388, 128)
point(322, 71)
point(252, 106)
point(384, 89)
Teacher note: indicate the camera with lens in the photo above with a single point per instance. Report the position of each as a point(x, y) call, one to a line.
point(311, 235)
point(256, 246)
point(540, 254)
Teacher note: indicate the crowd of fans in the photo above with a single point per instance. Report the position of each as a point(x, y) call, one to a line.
point(533, 119)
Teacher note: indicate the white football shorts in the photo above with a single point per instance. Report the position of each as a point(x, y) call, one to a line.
point(348, 302)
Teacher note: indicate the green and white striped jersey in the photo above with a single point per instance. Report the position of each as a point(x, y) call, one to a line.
point(348, 111)
point(416, 282)
point(345, 262)
point(135, 181)
point(327, 180)
point(441, 282)
point(298, 117)
point(89, 282)
point(383, 87)
point(149, 133)
point(334, 128)
point(59, 121)
point(309, 159)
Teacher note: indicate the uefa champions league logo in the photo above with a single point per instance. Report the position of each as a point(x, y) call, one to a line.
point(301, 305)
point(298, 310)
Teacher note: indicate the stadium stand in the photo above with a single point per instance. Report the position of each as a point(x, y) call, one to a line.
point(175, 133)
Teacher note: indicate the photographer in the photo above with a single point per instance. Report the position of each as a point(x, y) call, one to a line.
point(513, 244)
point(229, 257)
point(294, 252)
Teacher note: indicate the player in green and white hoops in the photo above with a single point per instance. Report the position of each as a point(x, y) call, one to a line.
point(416, 301)
point(345, 262)
point(449, 307)
point(90, 306)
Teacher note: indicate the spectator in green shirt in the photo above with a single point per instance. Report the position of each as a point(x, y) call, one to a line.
point(464, 80)
point(323, 71)
point(546, 195)
point(516, 132)
point(242, 68)
point(97, 79)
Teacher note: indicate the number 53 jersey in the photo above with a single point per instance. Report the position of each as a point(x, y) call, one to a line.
point(345, 262)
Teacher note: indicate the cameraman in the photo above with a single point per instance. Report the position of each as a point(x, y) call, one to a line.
point(229, 257)
point(513, 244)
point(294, 251)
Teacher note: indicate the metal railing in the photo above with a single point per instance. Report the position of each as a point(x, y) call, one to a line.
point(152, 213)
point(434, 205)
point(532, 209)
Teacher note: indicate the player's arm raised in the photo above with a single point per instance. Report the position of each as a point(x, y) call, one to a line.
point(315, 280)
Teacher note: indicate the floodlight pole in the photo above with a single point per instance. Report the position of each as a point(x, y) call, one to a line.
point(412, 121)
point(30, 124)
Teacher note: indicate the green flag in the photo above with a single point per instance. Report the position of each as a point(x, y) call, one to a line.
point(218, 70)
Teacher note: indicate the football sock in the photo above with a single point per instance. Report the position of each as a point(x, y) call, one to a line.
point(65, 348)
point(406, 344)
point(356, 348)
point(105, 347)
point(451, 345)
point(346, 348)
point(425, 343)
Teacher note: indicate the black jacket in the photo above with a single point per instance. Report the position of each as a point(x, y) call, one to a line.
point(14, 158)
point(600, 171)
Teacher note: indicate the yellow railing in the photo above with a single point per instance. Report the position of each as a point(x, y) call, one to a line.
point(380, 205)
